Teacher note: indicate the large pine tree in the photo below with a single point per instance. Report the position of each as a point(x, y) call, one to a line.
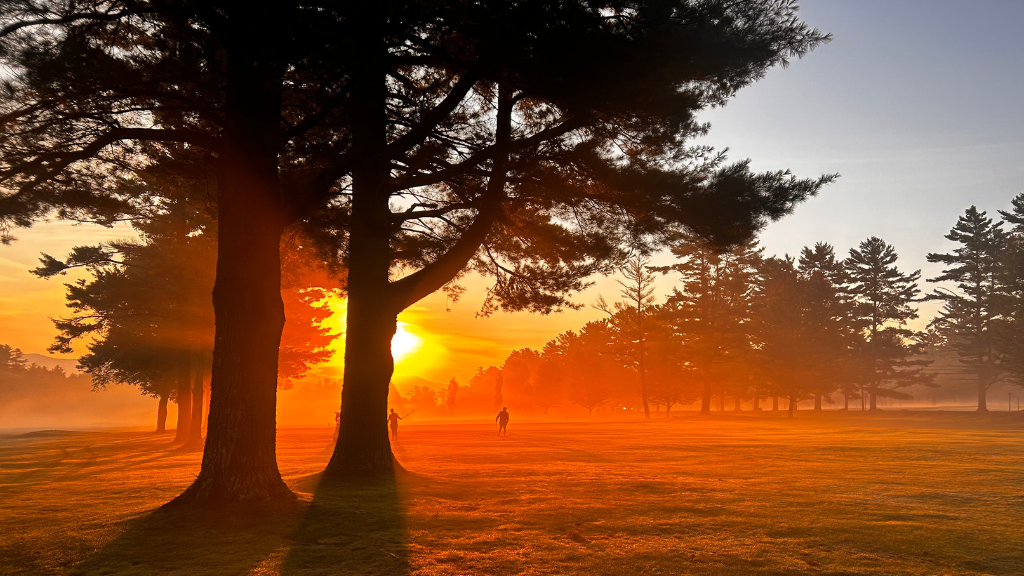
point(1009, 328)
point(885, 298)
point(711, 310)
point(970, 306)
point(520, 139)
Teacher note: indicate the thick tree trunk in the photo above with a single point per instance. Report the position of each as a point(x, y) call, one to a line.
point(195, 432)
point(982, 394)
point(817, 402)
point(775, 403)
point(161, 414)
point(792, 404)
point(183, 397)
point(757, 399)
point(846, 402)
point(363, 448)
point(737, 404)
point(705, 398)
point(239, 462)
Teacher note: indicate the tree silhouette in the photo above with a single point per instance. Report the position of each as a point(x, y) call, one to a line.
point(711, 311)
point(1009, 327)
point(885, 298)
point(632, 319)
point(969, 309)
point(521, 139)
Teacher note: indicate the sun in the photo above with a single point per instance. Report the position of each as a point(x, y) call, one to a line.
point(404, 343)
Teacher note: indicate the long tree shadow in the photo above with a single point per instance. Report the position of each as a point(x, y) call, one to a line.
point(351, 527)
point(185, 541)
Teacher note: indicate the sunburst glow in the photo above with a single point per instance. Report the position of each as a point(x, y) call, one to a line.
point(404, 342)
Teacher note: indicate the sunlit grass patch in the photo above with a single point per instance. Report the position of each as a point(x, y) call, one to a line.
point(832, 494)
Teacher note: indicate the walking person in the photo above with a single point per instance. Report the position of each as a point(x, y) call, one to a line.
point(502, 420)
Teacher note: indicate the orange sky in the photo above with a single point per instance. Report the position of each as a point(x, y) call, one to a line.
point(431, 343)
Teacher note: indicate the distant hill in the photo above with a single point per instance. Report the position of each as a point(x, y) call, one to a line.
point(69, 365)
point(406, 383)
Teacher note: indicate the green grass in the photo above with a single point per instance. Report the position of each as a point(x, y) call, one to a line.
point(897, 493)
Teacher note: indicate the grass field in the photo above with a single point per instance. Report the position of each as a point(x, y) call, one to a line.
point(896, 493)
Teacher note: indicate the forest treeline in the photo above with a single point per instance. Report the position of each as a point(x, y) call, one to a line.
point(747, 327)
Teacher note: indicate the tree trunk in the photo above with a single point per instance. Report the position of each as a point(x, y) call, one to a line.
point(161, 414)
point(195, 433)
point(668, 411)
point(792, 404)
point(817, 402)
point(775, 403)
point(183, 397)
point(982, 394)
point(757, 399)
point(363, 448)
point(721, 402)
point(239, 462)
point(705, 398)
point(643, 388)
point(846, 402)
point(737, 404)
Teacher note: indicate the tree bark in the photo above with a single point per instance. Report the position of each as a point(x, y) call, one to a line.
point(705, 398)
point(363, 448)
point(239, 467)
point(817, 402)
point(195, 433)
point(982, 394)
point(161, 414)
point(775, 403)
point(792, 404)
point(183, 397)
point(757, 399)
point(846, 402)
point(737, 403)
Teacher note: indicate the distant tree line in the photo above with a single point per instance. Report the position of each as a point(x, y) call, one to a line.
point(750, 327)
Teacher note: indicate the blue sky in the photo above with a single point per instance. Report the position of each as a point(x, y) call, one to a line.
point(919, 105)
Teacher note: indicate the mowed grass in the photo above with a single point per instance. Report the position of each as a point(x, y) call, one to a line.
point(833, 493)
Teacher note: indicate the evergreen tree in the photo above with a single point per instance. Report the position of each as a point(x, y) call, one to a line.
point(799, 330)
point(1009, 326)
point(711, 311)
point(821, 259)
point(389, 124)
point(632, 319)
point(969, 309)
point(884, 297)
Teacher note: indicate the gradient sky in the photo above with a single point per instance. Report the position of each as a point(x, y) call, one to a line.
point(919, 105)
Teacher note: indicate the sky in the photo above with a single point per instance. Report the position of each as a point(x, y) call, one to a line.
point(918, 105)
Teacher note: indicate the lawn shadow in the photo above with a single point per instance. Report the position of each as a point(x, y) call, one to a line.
point(184, 541)
point(350, 527)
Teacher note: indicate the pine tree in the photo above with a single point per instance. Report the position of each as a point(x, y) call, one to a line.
point(1009, 326)
point(632, 319)
point(884, 298)
point(711, 310)
point(970, 309)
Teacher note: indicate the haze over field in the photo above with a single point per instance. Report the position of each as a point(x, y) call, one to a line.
point(419, 287)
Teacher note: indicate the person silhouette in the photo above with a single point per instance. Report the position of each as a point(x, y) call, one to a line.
point(393, 419)
point(502, 420)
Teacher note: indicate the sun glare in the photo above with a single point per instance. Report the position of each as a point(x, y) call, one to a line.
point(404, 343)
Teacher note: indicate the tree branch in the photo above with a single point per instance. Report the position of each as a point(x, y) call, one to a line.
point(433, 276)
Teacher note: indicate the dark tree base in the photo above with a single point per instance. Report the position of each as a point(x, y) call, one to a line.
point(252, 495)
